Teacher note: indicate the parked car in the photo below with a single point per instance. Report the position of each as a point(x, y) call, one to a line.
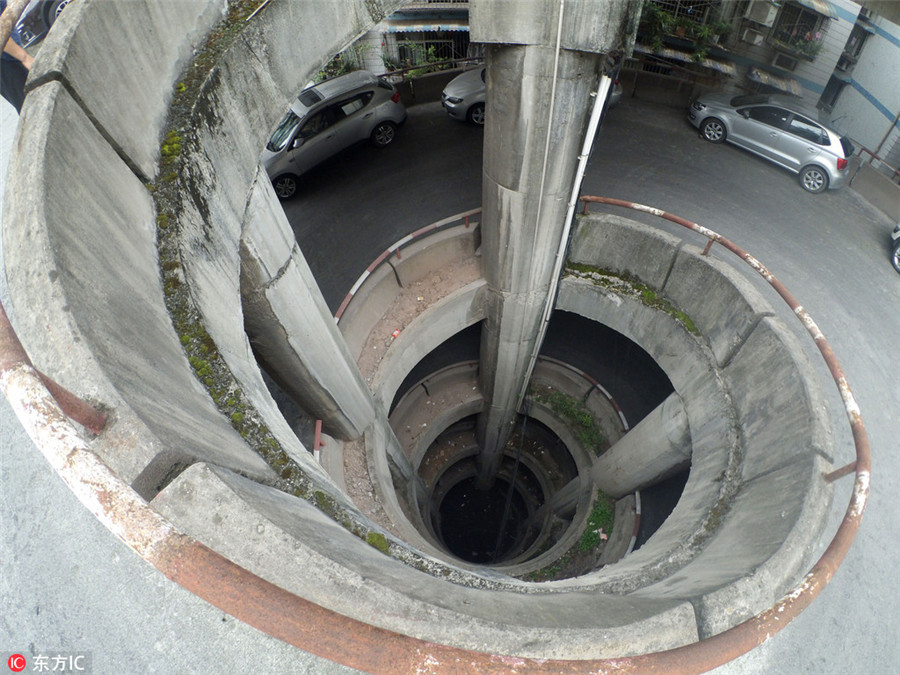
point(895, 238)
point(463, 97)
point(777, 129)
point(327, 118)
point(37, 19)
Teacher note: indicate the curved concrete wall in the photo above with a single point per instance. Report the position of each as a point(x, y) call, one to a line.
point(80, 245)
point(759, 429)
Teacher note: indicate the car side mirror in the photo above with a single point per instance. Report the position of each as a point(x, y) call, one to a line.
point(297, 143)
point(745, 114)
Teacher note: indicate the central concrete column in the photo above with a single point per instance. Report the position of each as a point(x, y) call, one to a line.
point(543, 63)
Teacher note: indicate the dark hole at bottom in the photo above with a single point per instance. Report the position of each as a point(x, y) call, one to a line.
point(471, 520)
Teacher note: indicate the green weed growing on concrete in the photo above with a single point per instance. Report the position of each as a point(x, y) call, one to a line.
point(580, 420)
point(599, 520)
point(551, 571)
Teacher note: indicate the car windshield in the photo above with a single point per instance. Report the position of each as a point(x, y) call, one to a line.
point(283, 132)
point(748, 99)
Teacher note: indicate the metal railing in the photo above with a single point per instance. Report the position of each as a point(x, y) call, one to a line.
point(895, 172)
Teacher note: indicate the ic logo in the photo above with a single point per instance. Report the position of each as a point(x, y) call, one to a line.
point(16, 663)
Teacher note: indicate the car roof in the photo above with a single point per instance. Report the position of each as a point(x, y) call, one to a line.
point(789, 103)
point(794, 105)
point(331, 88)
point(339, 85)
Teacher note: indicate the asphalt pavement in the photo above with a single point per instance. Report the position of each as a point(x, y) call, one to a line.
point(69, 586)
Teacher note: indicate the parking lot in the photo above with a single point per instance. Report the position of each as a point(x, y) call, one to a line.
point(830, 249)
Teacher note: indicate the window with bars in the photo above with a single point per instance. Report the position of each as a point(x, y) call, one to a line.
point(420, 48)
point(798, 30)
point(695, 10)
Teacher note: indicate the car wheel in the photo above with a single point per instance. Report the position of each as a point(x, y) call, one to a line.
point(895, 259)
point(814, 179)
point(713, 130)
point(285, 186)
point(53, 11)
point(476, 114)
point(384, 134)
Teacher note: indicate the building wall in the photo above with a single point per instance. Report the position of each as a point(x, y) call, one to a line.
point(812, 75)
point(868, 106)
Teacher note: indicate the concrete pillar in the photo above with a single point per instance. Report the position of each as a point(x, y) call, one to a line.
point(563, 501)
point(543, 62)
point(289, 325)
point(658, 447)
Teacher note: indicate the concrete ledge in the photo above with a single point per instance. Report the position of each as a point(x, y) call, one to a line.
point(692, 373)
point(290, 543)
point(761, 432)
point(427, 331)
point(625, 247)
point(91, 263)
point(128, 98)
point(381, 287)
point(779, 403)
point(727, 308)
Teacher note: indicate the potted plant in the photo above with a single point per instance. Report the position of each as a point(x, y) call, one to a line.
point(721, 31)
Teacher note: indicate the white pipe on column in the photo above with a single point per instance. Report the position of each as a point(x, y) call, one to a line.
point(594, 121)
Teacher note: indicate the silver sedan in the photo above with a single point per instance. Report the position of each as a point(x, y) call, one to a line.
point(777, 129)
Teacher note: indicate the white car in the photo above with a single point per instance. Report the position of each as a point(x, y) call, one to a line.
point(463, 97)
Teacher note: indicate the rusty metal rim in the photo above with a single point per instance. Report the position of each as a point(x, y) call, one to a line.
point(330, 635)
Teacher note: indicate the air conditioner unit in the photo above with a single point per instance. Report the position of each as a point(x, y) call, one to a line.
point(753, 37)
point(785, 62)
point(761, 12)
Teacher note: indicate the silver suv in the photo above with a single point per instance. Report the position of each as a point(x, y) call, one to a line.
point(327, 118)
point(777, 129)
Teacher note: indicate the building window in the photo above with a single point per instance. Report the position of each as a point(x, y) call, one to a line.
point(856, 41)
point(799, 31)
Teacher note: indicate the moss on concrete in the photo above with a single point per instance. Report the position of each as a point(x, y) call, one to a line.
point(626, 284)
point(378, 540)
point(575, 413)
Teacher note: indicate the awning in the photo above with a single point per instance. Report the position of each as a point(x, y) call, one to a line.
point(414, 26)
point(786, 84)
point(822, 7)
point(725, 67)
